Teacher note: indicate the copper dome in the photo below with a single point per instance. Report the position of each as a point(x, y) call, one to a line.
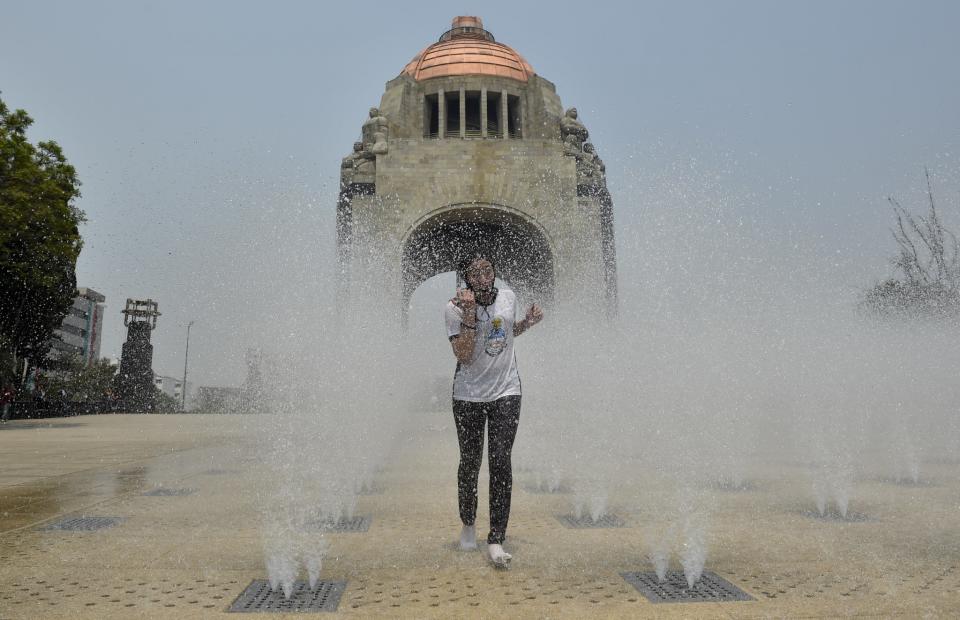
point(468, 49)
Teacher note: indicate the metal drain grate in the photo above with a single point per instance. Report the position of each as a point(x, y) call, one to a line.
point(355, 524)
point(833, 515)
point(726, 486)
point(545, 490)
point(586, 521)
point(258, 597)
point(82, 524)
point(711, 588)
point(165, 492)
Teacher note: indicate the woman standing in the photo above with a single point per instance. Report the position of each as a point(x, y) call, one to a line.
point(481, 324)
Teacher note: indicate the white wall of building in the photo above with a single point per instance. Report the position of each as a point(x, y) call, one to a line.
point(79, 333)
point(171, 386)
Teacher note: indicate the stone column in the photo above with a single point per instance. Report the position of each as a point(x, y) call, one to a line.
point(483, 112)
point(463, 113)
point(424, 114)
point(504, 123)
point(441, 114)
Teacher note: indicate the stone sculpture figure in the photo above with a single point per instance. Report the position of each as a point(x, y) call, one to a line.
point(584, 172)
point(590, 153)
point(375, 131)
point(571, 146)
point(590, 169)
point(348, 163)
point(365, 165)
point(359, 162)
point(572, 130)
point(585, 169)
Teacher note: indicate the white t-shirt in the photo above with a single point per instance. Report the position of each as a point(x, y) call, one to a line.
point(492, 373)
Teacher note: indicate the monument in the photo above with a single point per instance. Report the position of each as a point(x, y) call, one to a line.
point(468, 148)
point(135, 387)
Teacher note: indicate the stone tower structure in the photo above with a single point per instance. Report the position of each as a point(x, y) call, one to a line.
point(470, 148)
point(135, 377)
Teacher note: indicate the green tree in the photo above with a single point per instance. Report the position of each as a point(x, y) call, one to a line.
point(166, 403)
point(39, 240)
point(928, 263)
point(80, 382)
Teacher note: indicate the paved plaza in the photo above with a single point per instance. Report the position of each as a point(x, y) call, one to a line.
point(186, 541)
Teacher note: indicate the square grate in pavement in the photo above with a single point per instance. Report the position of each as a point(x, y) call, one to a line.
point(354, 524)
point(374, 489)
point(82, 524)
point(259, 598)
point(834, 515)
point(710, 588)
point(546, 490)
point(586, 521)
point(167, 492)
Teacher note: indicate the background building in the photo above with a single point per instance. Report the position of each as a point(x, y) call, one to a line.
point(471, 149)
point(79, 333)
point(171, 386)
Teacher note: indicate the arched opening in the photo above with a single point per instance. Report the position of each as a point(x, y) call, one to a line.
point(519, 249)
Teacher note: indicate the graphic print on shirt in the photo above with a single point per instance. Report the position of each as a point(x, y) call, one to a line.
point(497, 338)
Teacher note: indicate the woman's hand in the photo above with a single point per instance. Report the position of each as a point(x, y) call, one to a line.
point(466, 301)
point(534, 315)
point(463, 347)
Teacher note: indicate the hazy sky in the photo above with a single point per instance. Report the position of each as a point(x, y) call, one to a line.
point(205, 132)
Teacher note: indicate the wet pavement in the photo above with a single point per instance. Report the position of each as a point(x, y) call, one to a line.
point(191, 551)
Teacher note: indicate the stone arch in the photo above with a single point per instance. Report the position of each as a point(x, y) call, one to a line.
point(519, 247)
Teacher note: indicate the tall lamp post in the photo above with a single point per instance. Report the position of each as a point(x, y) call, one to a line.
point(186, 357)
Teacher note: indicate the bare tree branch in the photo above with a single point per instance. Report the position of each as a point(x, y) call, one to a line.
point(909, 260)
point(929, 261)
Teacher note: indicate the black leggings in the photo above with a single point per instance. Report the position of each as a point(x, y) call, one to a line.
point(503, 415)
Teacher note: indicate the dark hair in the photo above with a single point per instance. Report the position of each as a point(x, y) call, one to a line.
point(470, 259)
